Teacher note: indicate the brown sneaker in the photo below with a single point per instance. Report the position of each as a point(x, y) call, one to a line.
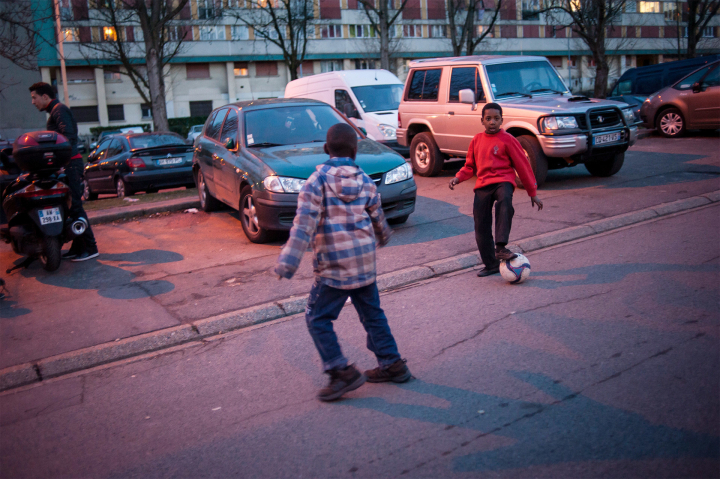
point(504, 254)
point(397, 372)
point(341, 382)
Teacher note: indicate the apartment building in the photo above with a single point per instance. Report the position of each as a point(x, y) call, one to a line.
point(223, 60)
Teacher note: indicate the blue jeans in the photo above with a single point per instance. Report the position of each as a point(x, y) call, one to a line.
point(324, 306)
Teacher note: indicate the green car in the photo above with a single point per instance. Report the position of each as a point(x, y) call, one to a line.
point(255, 156)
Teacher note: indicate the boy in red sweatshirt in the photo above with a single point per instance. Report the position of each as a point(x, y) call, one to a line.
point(494, 156)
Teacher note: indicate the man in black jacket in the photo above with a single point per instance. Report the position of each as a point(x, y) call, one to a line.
point(61, 120)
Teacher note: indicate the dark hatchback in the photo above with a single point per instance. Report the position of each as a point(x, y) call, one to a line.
point(125, 164)
point(255, 157)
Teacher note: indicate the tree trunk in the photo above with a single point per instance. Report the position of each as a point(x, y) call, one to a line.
point(692, 29)
point(384, 43)
point(156, 87)
point(602, 69)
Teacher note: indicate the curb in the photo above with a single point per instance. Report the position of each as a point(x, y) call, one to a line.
point(20, 375)
point(127, 212)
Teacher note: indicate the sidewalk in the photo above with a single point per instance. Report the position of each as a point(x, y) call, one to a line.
point(108, 215)
point(196, 330)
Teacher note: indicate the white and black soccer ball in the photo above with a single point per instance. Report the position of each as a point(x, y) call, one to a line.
point(516, 270)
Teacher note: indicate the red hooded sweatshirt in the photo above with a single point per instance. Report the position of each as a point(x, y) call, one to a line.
point(495, 159)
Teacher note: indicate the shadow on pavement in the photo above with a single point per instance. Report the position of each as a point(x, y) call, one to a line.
point(575, 428)
point(10, 309)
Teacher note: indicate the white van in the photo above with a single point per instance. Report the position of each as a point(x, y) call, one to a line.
point(369, 98)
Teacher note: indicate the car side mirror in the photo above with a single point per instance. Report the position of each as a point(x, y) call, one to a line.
point(468, 96)
point(697, 87)
point(364, 131)
point(229, 144)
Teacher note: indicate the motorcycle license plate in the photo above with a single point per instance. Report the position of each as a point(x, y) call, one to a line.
point(609, 138)
point(169, 161)
point(49, 215)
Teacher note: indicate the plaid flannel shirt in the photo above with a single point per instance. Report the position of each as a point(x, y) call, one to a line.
point(339, 214)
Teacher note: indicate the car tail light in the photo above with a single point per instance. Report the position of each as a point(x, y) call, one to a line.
point(135, 162)
point(399, 121)
point(33, 191)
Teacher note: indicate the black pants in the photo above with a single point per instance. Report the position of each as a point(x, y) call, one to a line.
point(73, 174)
point(501, 195)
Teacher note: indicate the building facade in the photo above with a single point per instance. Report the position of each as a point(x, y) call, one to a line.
point(223, 60)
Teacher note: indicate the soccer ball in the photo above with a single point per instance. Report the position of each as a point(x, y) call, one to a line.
point(516, 270)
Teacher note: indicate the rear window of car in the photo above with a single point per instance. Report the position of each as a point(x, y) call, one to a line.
point(151, 141)
point(424, 85)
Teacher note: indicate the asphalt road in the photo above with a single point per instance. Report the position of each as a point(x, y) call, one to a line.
point(603, 364)
point(163, 271)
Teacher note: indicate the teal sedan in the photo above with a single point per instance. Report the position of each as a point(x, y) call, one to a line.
point(255, 157)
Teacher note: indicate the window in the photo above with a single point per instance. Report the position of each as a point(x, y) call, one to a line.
point(412, 30)
point(438, 31)
point(364, 64)
point(85, 114)
point(109, 34)
point(116, 113)
point(213, 130)
point(172, 34)
point(266, 32)
point(482, 28)
point(241, 69)
point(508, 79)
point(71, 35)
point(687, 82)
point(240, 33)
point(115, 148)
point(424, 85)
point(197, 70)
point(266, 69)
point(466, 78)
point(212, 33)
point(200, 108)
point(712, 79)
point(361, 31)
point(236, 3)
point(331, 31)
point(80, 74)
point(230, 127)
point(207, 10)
point(290, 125)
point(648, 84)
point(112, 75)
point(556, 61)
point(671, 12)
point(648, 7)
point(344, 103)
point(306, 68)
point(146, 111)
point(331, 66)
point(374, 98)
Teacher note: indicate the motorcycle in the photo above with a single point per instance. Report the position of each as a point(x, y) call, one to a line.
point(37, 203)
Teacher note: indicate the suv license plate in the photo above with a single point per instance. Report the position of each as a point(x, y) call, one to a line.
point(169, 161)
point(609, 138)
point(49, 215)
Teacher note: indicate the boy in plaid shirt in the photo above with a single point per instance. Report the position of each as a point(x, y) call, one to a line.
point(339, 213)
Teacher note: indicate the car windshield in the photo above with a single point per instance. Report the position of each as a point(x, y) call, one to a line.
point(151, 141)
point(378, 97)
point(289, 125)
point(523, 78)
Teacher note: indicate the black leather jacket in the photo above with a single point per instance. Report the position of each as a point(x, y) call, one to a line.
point(62, 121)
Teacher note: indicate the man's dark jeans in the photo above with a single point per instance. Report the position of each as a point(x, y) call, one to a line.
point(324, 306)
point(73, 174)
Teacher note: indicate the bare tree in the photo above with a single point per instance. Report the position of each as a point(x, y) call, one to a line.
point(286, 24)
point(590, 20)
point(18, 32)
point(699, 14)
point(383, 17)
point(161, 37)
point(462, 15)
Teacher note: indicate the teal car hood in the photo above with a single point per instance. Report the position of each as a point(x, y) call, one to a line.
point(300, 160)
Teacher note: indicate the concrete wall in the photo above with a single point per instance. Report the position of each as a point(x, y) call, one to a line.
point(17, 115)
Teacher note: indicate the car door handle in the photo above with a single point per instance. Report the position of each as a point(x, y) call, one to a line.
point(451, 113)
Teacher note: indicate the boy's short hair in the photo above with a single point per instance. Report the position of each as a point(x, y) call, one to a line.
point(42, 88)
point(492, 106)
point(341, 140)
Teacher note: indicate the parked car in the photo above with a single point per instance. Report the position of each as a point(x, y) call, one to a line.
point(441, 111)
point(691, 103)
point(369, 98)
point(102, 135)
point(125, 164)
point(255, 156)
point(193, 133)
point(636, 84)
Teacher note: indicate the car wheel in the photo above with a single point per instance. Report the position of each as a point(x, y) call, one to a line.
point(88, 195)
point(122, 189)
point(606, 165)
point(248, 217)
point(208, 203)
point(425, 155)
point(671, 123)
point(399, 220)
point(538, 160)
point(50, 256)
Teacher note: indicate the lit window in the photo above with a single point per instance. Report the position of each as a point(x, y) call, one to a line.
point(482, 28)
point(109, 34)
point(111, 75)
point(241, 69)
point(70, 35)
point(648, 7)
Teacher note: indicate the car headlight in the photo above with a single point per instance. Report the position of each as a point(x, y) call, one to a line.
point(388, 132)
point(281, 184)
point(559, 122)
point(401, 173)
point(629, 116)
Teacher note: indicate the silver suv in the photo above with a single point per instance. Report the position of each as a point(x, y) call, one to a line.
point(442, 103)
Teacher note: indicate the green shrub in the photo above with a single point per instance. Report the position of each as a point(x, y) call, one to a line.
point(181, 126)
point(96, 130)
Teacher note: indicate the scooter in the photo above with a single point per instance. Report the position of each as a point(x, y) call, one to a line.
point(37, 203)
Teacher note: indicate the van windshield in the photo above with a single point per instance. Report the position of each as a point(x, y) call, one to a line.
point(289, 125)
point(378, 97)
point(523, 78)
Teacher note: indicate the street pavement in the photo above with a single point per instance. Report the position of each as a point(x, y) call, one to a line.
point(603, 364)
point(161, 272)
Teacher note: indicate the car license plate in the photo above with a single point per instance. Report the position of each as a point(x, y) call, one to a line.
point(609, 138)
point(170, 161)
point(49, 215)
